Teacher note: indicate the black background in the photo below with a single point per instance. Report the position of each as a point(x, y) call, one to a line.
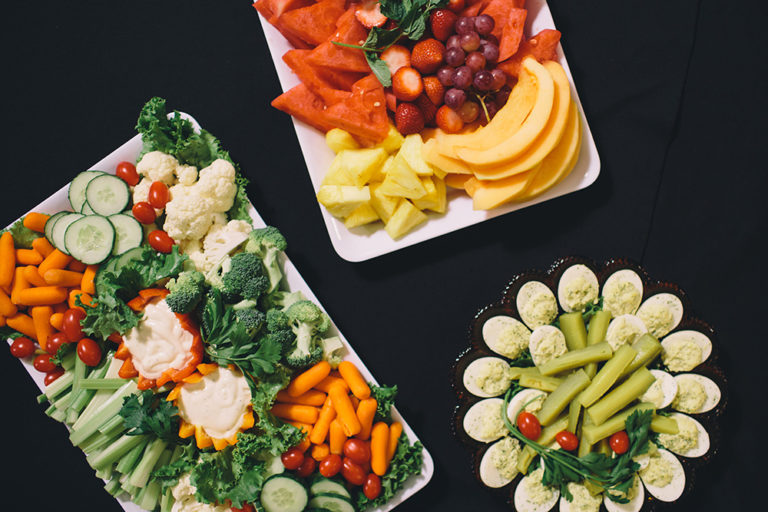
point(675, 96)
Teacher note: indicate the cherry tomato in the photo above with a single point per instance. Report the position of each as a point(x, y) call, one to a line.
point(160, 241)
point(89, 351)
point(352, 472)
point(567, 440)
point(55, 341)
point(71, 324)
point(22, 347)
point(619, 442)
point(159, 194)
point(307, 467)
point(529, 425)
point(292, 459)
point(53, 375)
point(357, 451)
point(143, 212)
point(372, 486)
point(42, 363)
point(330, 465)
point(247, 507)
point(126, 171)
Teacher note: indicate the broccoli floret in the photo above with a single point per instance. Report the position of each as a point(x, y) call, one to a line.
point(280, 299)
point(333, 350)
point(307, 321)
point(268, 243)
point(251, 318)
point(241, 277)
point(186, 291)
point(284, 338)
point(277, 321)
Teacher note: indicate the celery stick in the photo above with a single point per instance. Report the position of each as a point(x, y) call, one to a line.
point(621, 396)
point(166, 503)
point(140, 475)
point(131, 490)
point(68, 362)
point(113, 486)
point(99, 383)
point(71, 417)
point(84, 396)
point(115, 451)
point(97, 442)
point(58, 386)
point(129, 461)
point(106, 473)
point(664, 425)
point(594, 433)
point(149, 496)
point(559, 399)
point(78, 373)
point(107, 410)
point(59, 415)
point(577, 358)
point(116, 421)
point(572, 325)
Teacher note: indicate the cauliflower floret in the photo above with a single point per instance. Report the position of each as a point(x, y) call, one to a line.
point(186, 174)
point(217, 181)
point(158, 166)
point(141, 191)
point(220, 240)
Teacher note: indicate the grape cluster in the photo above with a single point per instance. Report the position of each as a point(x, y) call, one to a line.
point(469, 74)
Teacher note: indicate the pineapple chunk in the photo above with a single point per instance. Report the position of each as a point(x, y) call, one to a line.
point(384, 205)
point(339, 140)
point(363, 214)
point(337, 173)
point(406, 218)
point(383, 170)
point(361, 164)
point(402, 181)
point(435, 199)
point(411, 151)
point(393, 141)
point(341, 200)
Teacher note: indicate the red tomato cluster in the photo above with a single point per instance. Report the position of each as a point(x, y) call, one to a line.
point(354, 465)
point(145, 211)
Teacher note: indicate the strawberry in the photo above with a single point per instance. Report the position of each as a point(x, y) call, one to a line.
point(456, 5)
point(427, 108)
point(407, 84)
point(442, 22)
point(434, 90)
point(448, 120)
point(427, 55)
point(396, 56)
point(409, 119)
point(369, 14)
point(391, 99)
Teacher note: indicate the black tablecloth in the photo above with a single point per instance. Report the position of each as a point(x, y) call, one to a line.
point(674, 93)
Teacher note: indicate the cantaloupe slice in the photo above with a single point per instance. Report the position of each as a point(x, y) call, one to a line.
point(487, 195)
point(434, 157)
point(457, 180)
point(547, 139)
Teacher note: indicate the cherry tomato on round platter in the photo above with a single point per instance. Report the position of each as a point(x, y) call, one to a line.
point(292, 459)
point(55, 341)
point(247, 507)
point(353, 472)
point(53, 375)
point(126, 171)
point(307, 467)
point(619, 442)
point(143, 212)
point(160, 241)
point(71, 324)
point(89, 351)
point(357, 450)
point(42, 363)
point(22, 347)
point(159, 195)
point(529, 425)
point(372, 486)
point(567, 440)
point(330, 465)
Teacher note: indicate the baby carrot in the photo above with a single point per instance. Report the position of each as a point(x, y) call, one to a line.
point(395, 430)
point(354, 380)
point(84, 298)
point(309, 378)
point(33, 276)
point(3, 322)
point(379, 443)
point(7, 307)
point(296, 412)
point(59, 277)
point(311, 397)
point(42, 296)
point(28, 257)
point(36, 221)
point(41, 316)
point(324, 419)
point(325, 384)
point(89, 274)
point(43, 246)
point(22, 323)
point(7, 259)
point(336, 437)
point(19, 284)
point(320, 451)
point(56, 259)
point(366, 411)
point(344, 409)
point(76, 266)
point(57, 321)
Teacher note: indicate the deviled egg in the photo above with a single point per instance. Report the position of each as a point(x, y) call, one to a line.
point(661, 313)
point(536, 304)
point(696, 393)
point(624, 330)
point(683, 351)
point(662, 392)
point(635, 495)
point(691, 440)
point(483, 421)
point(498, 466)
point(578, 287)
point(505, 335)
point(487, 377)
point(664, 476)
point(583, 500)
point(533, 496)
point(547, 342)
point(528, 399)
point(622, 292)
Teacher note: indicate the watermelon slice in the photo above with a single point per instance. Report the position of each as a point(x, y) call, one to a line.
point(314, 23)
point(542, 46)
point(313, 77)
point(280, 7)
point(364, 113)
point(349, 31)
point(302, 104)
point(512, 33)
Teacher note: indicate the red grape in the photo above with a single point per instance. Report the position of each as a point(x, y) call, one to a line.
point(462, 77)
point(502, 96)
point(490, 52)
point(455, 98)
point(465, 25)
point(499, 79)
point(483, 80)
point(470, 42)
point(475, 61)
point(484, 24)
point(453, 42)
point(454, 57)
point(490, 38)
point(469, 111)
point(445, 76)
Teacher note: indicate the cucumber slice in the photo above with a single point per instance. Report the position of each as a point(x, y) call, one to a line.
point(107, 194)
point(86, 209)
point(128, 232)
point(60, 229)
point(52, 222)
point(109, 266)
point(90, 239)
point(77, 186)
point(324, 485)
point(282, 493)
point(126, 257)
point(332, 502)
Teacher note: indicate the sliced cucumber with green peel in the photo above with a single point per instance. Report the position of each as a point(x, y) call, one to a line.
point(324, 485)
point(86, 209)
point(332, 502)
point(128, 232)
point(90, 239)
point(127, 257)
point(107, 194)
point(52, 222)
point(108, 266)
point(77, 186)
point(283, 493)
point(59, 230)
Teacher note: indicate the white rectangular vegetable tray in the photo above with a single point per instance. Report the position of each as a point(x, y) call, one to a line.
point(129, 152)
point(367, 242)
